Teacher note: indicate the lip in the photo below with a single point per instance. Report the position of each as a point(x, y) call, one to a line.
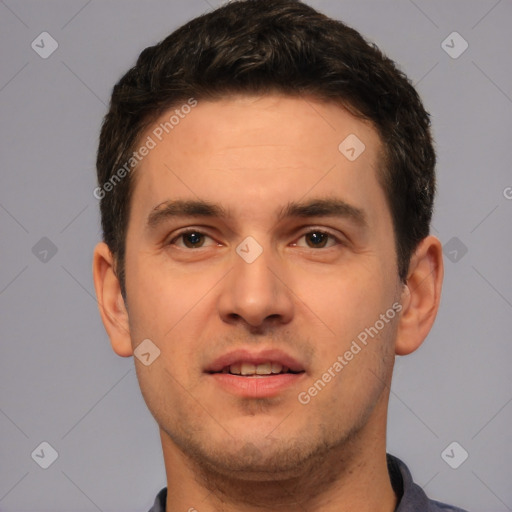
point(247, 356)
point(258, 386)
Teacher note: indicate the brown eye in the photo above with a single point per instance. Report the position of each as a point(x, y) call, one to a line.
point(317, 238)
point(192, 239)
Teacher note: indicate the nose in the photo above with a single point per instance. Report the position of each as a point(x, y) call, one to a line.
point(255, 291)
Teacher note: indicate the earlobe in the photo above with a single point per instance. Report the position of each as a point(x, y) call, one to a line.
point(421, 295)
point(110, 300)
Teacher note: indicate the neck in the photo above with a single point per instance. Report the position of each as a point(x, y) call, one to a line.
point(351, 477)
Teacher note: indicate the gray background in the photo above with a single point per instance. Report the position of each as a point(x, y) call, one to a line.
point(60, 380)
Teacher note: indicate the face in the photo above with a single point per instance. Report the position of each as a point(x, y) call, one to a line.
point(255, 245)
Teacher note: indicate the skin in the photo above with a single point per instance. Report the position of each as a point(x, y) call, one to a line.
point(222, 452)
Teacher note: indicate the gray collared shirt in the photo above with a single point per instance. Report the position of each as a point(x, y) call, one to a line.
point(412, 496)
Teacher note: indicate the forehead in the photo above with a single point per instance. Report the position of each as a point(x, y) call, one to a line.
point(274, 123)
point(255, 153)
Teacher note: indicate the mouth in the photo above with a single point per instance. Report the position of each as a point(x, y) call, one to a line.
point(248, 369)
point(265, 374)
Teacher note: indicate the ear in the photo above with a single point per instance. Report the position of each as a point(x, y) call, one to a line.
point(110, 301)
point(421, 295)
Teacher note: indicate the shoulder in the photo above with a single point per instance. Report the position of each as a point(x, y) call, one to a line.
point(412, 497)
point(437, 506)
point(159, 504)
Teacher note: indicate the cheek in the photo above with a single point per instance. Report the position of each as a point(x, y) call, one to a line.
point(170, 308)
point(347, 300)
point(362, 358)
point(158, 296)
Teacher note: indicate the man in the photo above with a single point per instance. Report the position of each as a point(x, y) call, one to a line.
point(267, 181)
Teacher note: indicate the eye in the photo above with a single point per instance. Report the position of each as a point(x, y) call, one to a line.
point(192, 239)
point(317, 239)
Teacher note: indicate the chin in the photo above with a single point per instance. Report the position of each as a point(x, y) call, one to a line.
point(257, 468)
point(257, 459)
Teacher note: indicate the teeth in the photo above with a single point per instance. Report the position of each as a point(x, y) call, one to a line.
point(264, 369)
point(267, 368)
point(235, 368)
point(248, 369)
point(277, 368)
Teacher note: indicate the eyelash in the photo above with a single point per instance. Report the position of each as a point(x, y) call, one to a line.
point(199, 232)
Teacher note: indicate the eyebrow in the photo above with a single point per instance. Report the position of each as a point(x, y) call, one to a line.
point(319, 207)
